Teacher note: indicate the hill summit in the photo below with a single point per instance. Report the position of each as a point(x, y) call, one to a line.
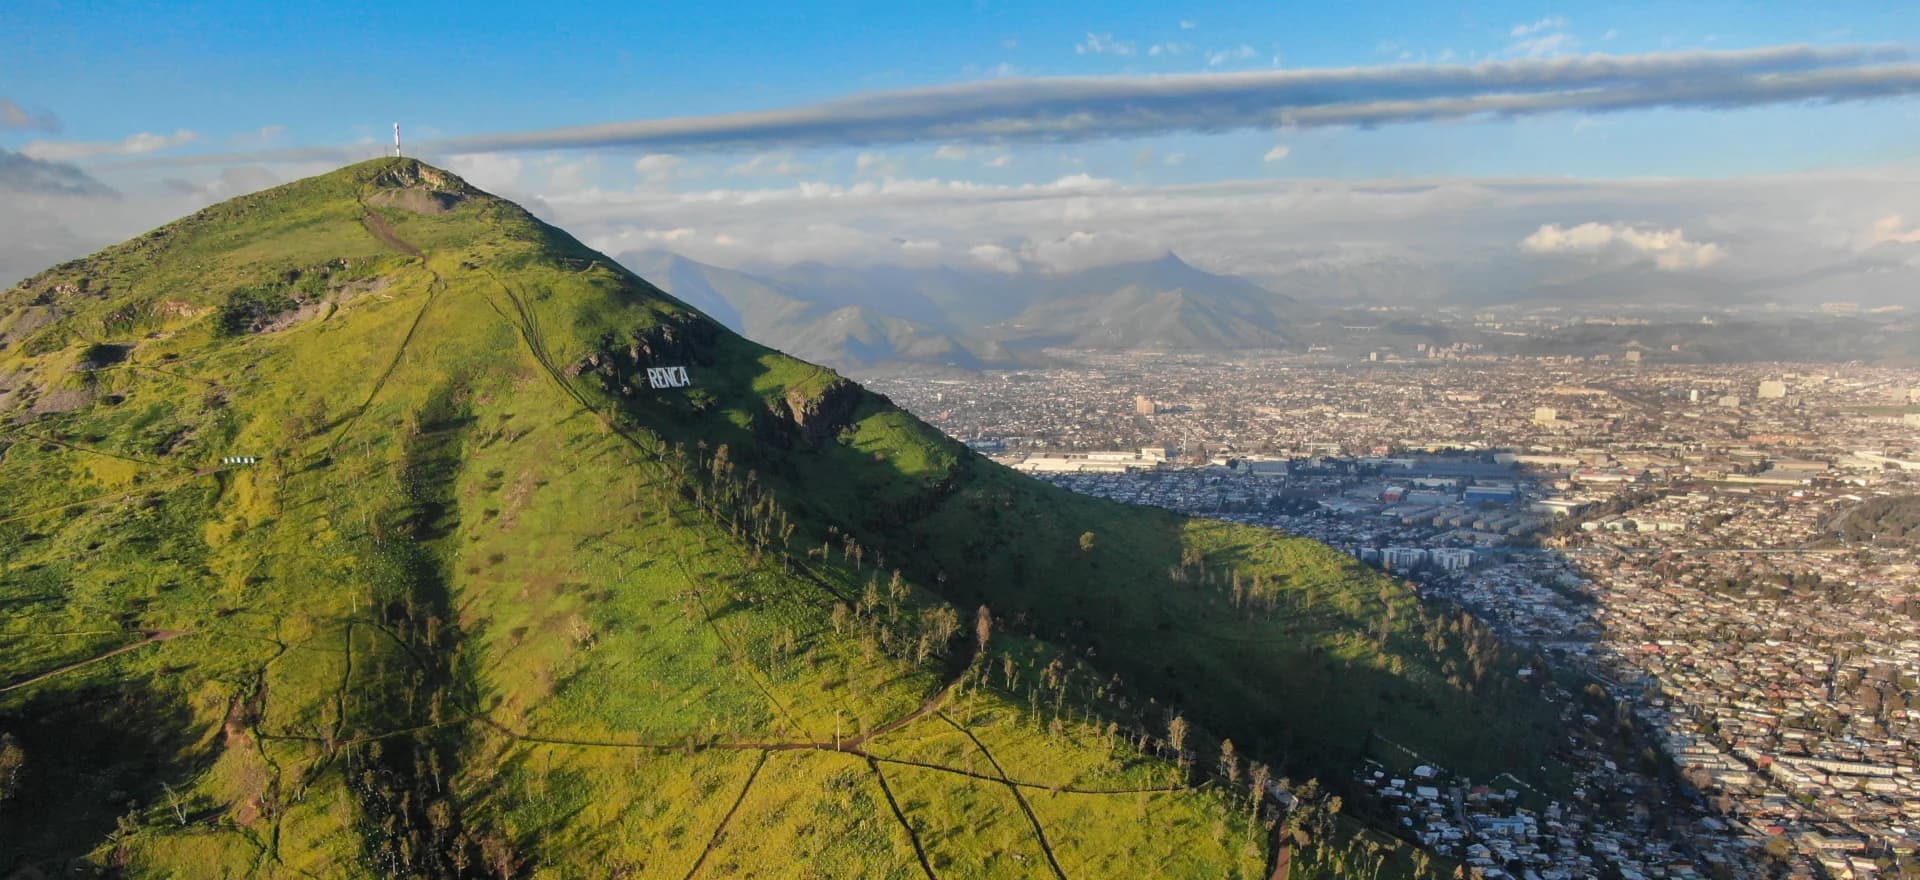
point(368, 526)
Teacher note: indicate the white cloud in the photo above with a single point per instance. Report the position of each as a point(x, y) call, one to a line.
point(996, 258)
point(489, 171)
point(1280, 151)
point(570, 176)
point(1544, 45)
point(874, 164)
point(230, 182)
point(1791, 235)
point(1551, 23)
point(1001, 161)
point(951, 152)
point(1175, 158)
point(1172, 48)
point(1395, 236)
point(770, 164)
point(135, 145)
point(1669, 249)
point(1082, 249)
point(1242, 52)
point(1103, 44)
point(657, 167)
point(1187, 24)
point(1541, 39)
point(260, 137)
point(1892, 229)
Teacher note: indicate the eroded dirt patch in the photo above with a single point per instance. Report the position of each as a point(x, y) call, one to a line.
point(419, 200)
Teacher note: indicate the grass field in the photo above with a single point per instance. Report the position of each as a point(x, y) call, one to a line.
point(487, 605)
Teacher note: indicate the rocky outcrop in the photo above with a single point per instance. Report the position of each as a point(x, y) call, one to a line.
point(407, 174)
point(422, 189)
point(824, 415)
point(676, 341)
point(799, 419)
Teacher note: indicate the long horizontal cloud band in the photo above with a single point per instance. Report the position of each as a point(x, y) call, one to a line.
point(1060, 109)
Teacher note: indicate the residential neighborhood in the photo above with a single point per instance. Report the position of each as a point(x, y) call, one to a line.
point(1672, 535)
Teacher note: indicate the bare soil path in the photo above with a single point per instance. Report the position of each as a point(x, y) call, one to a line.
point(158, 635)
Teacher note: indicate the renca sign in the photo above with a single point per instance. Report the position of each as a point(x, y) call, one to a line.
point(668, 377)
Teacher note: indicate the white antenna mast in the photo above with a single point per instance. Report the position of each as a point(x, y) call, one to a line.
point(396, 140)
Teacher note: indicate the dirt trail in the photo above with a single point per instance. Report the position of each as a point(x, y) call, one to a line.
point(89, 450)
point(1039, 833)
point(721, 828)
point(928, 706)
point(158, 635)
point(377, 225)
point(142, 489)
point(1283, 857)
point(919, 851)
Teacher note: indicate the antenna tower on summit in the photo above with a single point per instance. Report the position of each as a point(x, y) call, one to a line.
point(396, 140)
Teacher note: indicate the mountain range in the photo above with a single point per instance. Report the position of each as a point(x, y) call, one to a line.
point(874, 318)
point(367, 527)
point(861, 317)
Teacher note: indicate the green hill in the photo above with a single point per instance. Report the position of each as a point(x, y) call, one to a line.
point(346, 537)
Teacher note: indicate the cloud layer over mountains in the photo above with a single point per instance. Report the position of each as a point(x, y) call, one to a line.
point(799, 194)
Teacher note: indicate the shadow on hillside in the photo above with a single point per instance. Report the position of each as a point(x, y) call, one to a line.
point(91, 757)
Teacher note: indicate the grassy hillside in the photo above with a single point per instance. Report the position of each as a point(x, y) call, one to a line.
point(488, 605)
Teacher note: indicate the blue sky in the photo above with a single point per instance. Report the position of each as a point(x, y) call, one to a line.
point(172, 105)
point(333, 73)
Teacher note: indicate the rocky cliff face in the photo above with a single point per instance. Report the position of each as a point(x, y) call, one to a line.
point(808, 420)
point(823, 416)
point(621, 364)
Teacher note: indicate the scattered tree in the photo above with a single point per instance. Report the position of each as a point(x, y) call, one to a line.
point(1260, 776)
point(1177, 730)
point(12, 759)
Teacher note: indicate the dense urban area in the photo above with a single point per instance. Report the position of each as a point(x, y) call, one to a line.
point(1718, 561)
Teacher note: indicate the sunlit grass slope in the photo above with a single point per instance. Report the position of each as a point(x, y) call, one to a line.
point(487, 604)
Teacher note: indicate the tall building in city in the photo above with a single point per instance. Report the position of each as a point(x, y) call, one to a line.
point(1546, 416)
point(1143, 405)
point(1772, 389)
point(1633, 357)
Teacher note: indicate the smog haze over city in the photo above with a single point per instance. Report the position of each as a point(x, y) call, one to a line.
point(988, 439)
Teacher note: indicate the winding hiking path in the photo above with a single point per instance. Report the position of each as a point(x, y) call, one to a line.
point(720, 829)
point(159, 635)
point(919, 852)
point(1039, 832)
point(377, 225)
